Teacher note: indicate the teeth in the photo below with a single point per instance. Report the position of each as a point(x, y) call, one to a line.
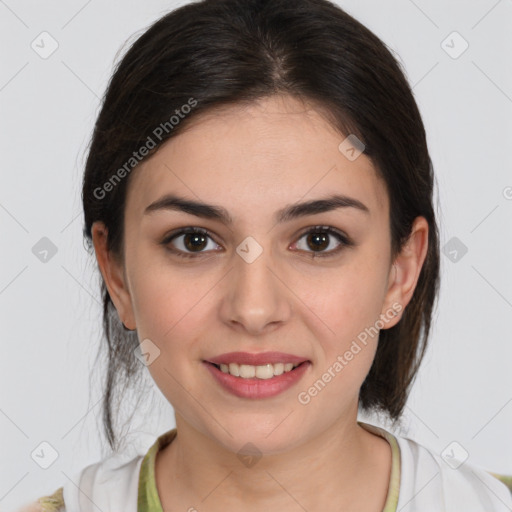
point(266, 371)
point(278, 368)
point(233, 369)
point(247, 372)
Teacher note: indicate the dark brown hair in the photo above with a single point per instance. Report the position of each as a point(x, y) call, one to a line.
point(222, 52)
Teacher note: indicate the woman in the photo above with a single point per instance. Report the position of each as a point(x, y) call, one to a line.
point(258, 193)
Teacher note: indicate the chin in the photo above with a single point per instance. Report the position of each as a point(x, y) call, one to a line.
point(256, 435)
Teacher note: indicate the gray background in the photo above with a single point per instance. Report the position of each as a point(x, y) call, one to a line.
point(50, 311)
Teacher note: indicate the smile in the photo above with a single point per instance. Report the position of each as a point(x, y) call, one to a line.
point(251, 377)
point(266, 371)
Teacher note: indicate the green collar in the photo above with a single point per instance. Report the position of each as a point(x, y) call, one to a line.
point(149, 501)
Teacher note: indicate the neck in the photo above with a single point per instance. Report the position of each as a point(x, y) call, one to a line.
point(351, 465)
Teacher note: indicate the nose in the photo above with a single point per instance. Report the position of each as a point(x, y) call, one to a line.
point(257, 299)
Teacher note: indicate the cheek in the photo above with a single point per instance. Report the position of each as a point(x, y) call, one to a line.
point(172, 304)
point(167, 306)
point(348, 299)
point(170, 310)
point(350, 305)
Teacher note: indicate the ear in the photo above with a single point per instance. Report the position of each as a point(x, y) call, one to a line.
point(405, 271)
point(114, 276)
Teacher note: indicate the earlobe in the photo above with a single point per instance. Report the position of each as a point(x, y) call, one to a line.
point(113, 275)
point(406, 269)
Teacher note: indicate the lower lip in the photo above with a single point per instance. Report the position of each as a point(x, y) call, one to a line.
point(258, 388)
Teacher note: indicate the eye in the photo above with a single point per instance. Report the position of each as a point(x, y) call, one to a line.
point(318, 241)
point(322, 241)
point(188, 241)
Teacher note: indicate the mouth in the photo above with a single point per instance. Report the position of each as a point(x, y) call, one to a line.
point(263, 365)
point(256, 376)
point(265, 371)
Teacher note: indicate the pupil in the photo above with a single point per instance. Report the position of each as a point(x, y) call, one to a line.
point(319, 240)
point(197, 241)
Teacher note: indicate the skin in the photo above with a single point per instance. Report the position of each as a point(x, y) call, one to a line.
point(253, 161)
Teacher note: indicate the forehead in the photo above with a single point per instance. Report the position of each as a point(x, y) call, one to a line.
point(257, 156)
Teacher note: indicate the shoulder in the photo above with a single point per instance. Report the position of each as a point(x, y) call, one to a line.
point(448, 481)
point(110, 484)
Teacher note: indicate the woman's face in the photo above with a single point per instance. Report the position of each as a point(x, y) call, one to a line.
point(259, 283)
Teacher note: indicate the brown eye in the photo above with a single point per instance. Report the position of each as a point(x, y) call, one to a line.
point(317, 241)
point(322, 241)
point(194, 242)
point(190, 242)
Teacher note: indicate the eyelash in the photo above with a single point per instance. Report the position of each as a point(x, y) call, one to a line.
point(343, 239)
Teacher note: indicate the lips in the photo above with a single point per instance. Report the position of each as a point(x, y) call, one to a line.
point(257, 376)
point(259, 359)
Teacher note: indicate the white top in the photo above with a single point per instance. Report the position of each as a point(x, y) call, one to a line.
point(424, 480)
point(429, 484)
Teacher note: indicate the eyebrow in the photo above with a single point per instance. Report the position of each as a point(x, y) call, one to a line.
point(290, 212)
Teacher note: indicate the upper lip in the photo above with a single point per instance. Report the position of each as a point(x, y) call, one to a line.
point(258, 359)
